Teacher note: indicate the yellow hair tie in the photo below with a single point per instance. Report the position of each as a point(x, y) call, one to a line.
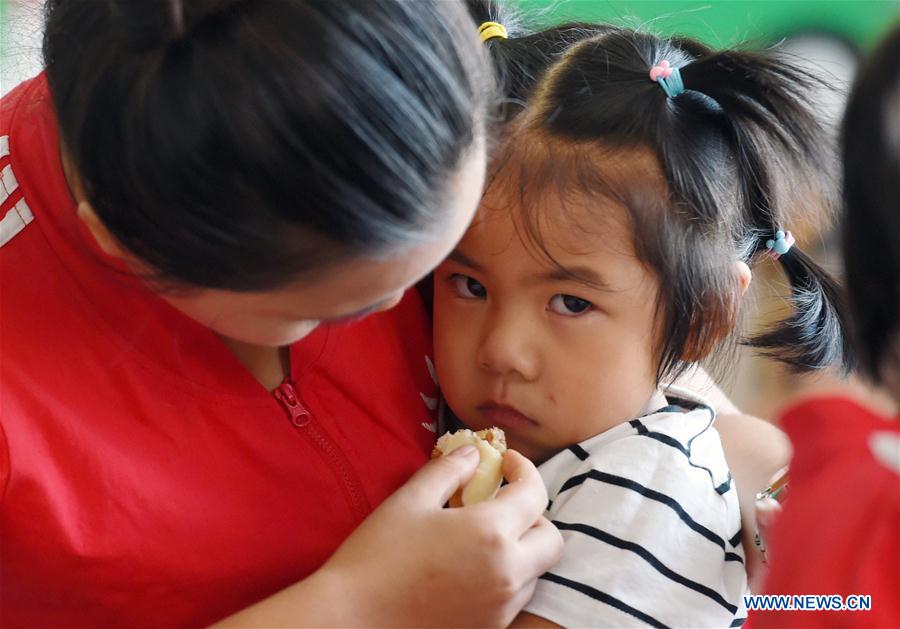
point(492, 30)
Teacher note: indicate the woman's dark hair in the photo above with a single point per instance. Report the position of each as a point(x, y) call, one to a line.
point(712, 173)
point(871, 220)
point(238, 144)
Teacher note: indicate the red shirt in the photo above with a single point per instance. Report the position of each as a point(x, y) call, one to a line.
point(146, 477)
point(839, 532)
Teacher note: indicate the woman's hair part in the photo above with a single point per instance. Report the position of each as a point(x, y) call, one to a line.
point(239, 144)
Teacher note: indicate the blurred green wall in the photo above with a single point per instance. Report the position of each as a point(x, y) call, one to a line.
point(728, 22)
point(721, 22)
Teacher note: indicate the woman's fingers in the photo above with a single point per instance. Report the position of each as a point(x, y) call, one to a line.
point(520, 600)
point(766, 512)
point(542, 544)
point(523, 500)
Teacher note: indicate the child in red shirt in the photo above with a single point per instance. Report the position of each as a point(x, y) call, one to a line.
point(839, 532)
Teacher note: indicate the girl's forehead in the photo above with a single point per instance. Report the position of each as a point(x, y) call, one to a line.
point(555, 194)
point(568, 218)
point(552, 230)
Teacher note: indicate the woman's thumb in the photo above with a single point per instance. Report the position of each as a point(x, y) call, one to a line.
point(439, 479)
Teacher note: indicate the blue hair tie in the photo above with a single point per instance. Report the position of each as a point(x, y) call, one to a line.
point(780, 245)
point(669, 78)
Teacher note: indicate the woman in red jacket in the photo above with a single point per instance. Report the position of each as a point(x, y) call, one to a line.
point(197, 197)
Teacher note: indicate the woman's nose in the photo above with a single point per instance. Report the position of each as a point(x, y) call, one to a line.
point(509, 348)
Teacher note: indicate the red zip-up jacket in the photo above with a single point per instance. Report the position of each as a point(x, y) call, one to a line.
point(146, 478)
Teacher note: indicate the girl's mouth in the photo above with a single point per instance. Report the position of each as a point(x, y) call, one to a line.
point(505, 416)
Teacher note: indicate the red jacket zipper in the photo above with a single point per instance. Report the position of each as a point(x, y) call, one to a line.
point(287, 395)
point(301, 418)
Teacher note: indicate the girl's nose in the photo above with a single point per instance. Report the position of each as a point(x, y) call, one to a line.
point(508, 348)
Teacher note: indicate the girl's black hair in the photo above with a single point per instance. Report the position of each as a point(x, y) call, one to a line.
point(733, 155)
point(238, 144)
point(871, 220)
point(520, 61)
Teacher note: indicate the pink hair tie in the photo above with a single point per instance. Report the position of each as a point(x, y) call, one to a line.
point(661, 71)
point(669, 78)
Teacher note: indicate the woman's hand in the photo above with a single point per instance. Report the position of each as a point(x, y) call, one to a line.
point(472, 566)
point(415, 563)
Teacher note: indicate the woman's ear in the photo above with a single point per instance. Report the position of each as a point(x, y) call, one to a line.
point(99, 231)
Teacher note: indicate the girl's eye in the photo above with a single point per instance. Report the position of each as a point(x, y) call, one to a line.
point(467, 287)
point(569, 306)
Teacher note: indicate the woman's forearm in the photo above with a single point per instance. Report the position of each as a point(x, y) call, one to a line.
point(413, 563)
point(317, 601)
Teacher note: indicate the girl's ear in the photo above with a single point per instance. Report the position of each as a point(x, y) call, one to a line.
point(744, 275)
point(700, 343)
point(99, 231)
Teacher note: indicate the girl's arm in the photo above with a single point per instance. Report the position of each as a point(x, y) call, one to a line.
point(414, 563)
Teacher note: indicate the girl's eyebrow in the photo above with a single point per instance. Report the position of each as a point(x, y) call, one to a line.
point(580, 274)
point(460, 258)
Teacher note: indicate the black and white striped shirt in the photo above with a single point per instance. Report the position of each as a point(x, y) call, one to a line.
point(651, 524)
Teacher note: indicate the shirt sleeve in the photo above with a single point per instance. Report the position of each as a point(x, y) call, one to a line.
point(646, 543)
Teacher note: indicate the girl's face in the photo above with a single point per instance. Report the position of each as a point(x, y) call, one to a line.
point(552, 356)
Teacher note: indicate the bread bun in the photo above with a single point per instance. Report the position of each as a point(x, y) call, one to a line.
point(491, 444)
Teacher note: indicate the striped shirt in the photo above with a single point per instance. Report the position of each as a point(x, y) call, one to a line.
point(652, 528)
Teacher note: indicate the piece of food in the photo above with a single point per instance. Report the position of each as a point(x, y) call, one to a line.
point(491, 444)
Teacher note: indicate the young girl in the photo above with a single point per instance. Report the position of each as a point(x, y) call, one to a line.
point(624, 209)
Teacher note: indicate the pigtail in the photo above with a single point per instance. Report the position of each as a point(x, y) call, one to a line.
point(778, 144)
point(815, 334)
